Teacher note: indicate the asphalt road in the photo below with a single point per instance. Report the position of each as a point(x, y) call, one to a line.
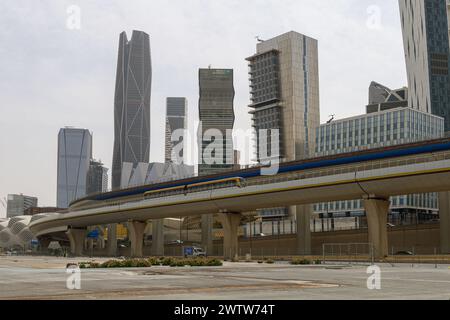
point(45, 278)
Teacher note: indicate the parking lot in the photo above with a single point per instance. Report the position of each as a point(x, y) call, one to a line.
point(23, 277)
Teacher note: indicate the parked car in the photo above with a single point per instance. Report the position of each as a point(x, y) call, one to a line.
point(193, 252)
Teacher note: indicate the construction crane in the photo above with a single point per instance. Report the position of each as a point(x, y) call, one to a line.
point(332, 118)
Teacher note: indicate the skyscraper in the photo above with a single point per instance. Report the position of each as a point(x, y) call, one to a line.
point(18, 203)
point(132, 103)
point(74, 155)
point(97, 178)
point(448, 18)
point(216, 113)
point(176, 119)
point(426, 42)
point(284, 88)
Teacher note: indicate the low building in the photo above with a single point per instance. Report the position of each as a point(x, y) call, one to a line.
point(376, 130)
point(18, 203)
point(97, 178)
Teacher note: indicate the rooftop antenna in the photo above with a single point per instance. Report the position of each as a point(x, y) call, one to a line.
point(259, 39)
point(332, 118)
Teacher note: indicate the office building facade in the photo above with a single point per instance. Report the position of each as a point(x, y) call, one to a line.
point(284, 89)
point(74, 155)
point(17, 204)
point(376, 130)
point(97, 178)
point(176, 119)
point(216, 112)
point(132, 103)
point(426, 42)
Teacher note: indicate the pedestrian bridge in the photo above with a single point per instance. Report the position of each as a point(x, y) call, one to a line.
point(373, 175)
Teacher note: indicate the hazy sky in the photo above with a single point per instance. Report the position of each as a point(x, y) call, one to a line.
point(53, 76)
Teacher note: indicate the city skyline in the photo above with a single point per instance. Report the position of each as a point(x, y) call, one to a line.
point(98, 91)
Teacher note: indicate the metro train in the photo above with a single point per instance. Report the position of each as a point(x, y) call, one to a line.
point(237, 178)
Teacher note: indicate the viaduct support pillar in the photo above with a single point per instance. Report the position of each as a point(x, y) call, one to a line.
point(158, 237)
point(444, 215)
point(207, 233)
point(377, 212)
point(230, 223)
point(76, 238)
point(303, 217)
point(136, 236)
point(112, 240)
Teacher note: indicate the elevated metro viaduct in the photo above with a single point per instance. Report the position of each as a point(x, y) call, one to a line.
point(372, 175)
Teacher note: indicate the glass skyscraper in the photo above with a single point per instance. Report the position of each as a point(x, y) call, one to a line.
point(74, 155)
point(176, 119)
point(132, 103)
point(426, 42)
point(216, 113)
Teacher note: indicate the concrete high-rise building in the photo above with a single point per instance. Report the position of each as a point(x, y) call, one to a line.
point(17, 204)
point(132, 103)
point(216, 113)
point(426, 42)
point(284, 87)
point(176, 119)
point(97, 178)
point(74, 155)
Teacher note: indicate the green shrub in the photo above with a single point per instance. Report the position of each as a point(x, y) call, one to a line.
point(270, 261)
point(318, 261)
point(300, 261)
point(154, 261)
point(214, 263)
point(94, 265)
point(145, 263)
point(167, 261)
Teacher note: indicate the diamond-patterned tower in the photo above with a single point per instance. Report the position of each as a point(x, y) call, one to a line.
point(132, 103)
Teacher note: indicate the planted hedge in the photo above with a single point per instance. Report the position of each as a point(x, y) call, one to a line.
point(145, 263)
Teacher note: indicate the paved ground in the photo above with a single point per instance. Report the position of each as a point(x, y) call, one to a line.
point(45, 278)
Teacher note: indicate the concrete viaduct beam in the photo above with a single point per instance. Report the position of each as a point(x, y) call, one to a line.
point(377, 212)
point(76, 238)
point(303, 218)
point(230, 223)
point(158, 237)
point(207, 233)
point(112, 240)
point(136, 235)
point(444, 218)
